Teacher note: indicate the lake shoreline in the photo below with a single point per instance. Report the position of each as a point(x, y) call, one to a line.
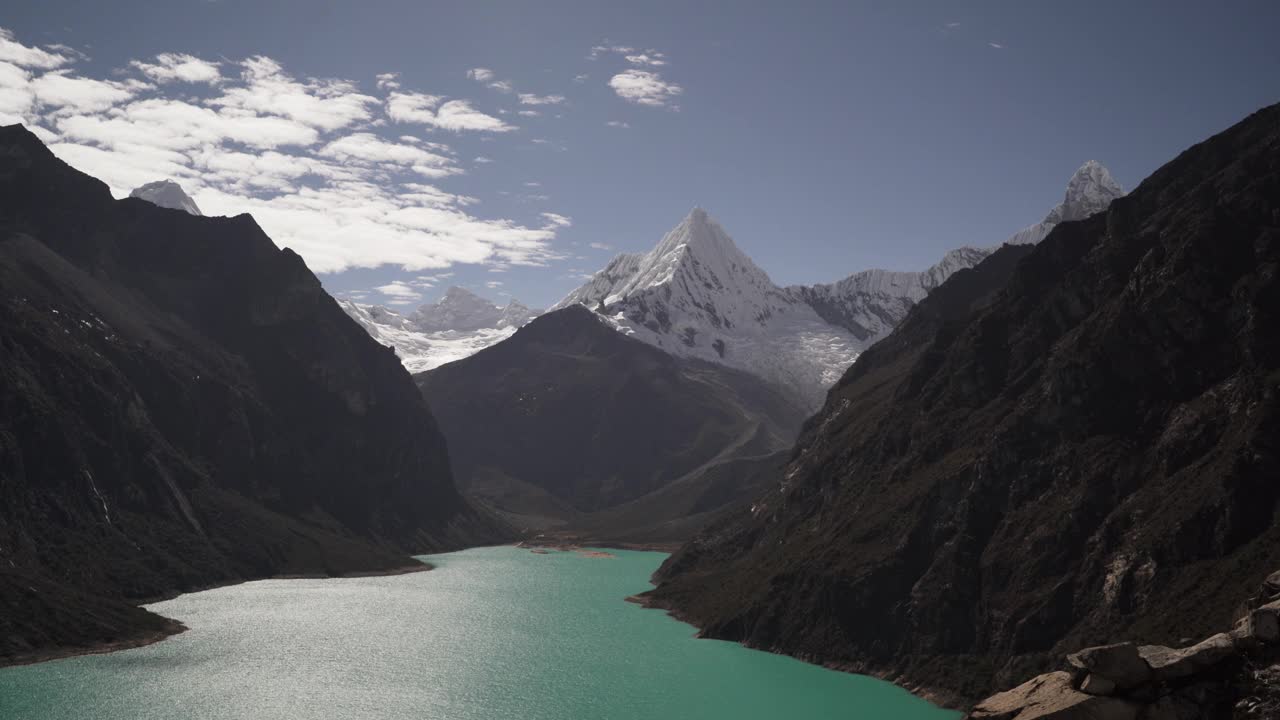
point(940, 698)
point(574, 543)
point(173, 627)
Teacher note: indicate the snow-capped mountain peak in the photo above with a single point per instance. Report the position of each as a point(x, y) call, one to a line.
point(1090, 190)
point(461, 309)
point(697, 258)
point(167, 194)
point(459, 324)
point(696, 294)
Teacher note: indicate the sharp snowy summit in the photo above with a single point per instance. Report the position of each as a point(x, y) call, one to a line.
point(697, 295)
point(167, 194)
point(459, 324)
point(1090, 190)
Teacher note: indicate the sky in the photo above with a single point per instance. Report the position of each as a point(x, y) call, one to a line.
point(514, 147)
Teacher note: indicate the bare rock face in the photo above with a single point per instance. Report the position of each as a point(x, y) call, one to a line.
point(1168, 664)
point(1052, 697)
point(1225, 676)
point(1055, 449)
point(1120, 663)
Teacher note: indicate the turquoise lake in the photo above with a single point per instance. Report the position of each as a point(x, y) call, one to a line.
point(490, 634)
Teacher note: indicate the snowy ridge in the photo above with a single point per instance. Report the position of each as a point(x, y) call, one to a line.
point(871, 303)
point(458, 325)
point(167, 194)
point(697, 295)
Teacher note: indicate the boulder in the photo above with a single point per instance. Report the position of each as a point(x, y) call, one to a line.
point(1052, 697)
point(1270, 589)
point(1095, 684)
point(1259, 626)
point(1119, 663)
point(1168, 663)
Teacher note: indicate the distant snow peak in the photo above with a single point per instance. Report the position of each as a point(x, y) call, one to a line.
point(167, 194)
point(1089, 191)
point(459, 324)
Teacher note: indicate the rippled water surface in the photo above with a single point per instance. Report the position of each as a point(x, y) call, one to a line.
point(491, 634)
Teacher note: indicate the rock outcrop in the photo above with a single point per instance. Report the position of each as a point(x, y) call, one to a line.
point(1227, 675)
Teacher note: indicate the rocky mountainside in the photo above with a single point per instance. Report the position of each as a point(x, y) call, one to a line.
point(1070, 444)
point(459, 324)
point(167, 194)
point(698, 295)
point(182, 405)
point(1232, 674)
point(871, 303)
point(568, 418)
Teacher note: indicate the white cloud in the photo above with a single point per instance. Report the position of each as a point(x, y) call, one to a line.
point(300, 154)
point(480, 75)
point(634, 56)
point(177, 124)
point(600, 50)
point(600, 246)
point(531, 99)
point(997, 46)
point(556, 219)
point(493, 284)
point(369, 148)
point(179, 66)
point(618, 124)
point(399, 289)
point(65, 93)
point(268, 90)
point(643, 87)
point(455, 115)
point(482, 160)
point(388, 81)
point(579, 79)
point(17, 99)
point(503, 86)
point(650, 58)
point(533, 184)
point(15, 52)
point(529, 113)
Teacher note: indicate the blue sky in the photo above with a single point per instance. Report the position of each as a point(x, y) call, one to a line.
point(826, 137)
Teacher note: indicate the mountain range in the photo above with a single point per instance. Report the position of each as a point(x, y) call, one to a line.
point(697, 295)
point(459, 324)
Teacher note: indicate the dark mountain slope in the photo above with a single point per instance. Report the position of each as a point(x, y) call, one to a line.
point(182, 405)
point(1004, 480)
point(569, 417)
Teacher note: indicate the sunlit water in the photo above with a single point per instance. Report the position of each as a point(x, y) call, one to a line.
point(491, 634)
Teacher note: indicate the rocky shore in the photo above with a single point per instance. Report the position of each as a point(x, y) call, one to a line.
point(1233, 674)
